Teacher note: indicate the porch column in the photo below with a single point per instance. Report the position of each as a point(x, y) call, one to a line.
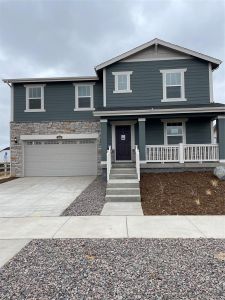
point(220, 124)
point(103, 138)
point(141, 122)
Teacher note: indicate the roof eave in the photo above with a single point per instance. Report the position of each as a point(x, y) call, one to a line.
point(159, 111)
point(51, 79)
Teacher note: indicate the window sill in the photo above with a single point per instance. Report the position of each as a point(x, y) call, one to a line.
point(174, 100)
point(122, 92)
point(34, 110)
point(84, 109)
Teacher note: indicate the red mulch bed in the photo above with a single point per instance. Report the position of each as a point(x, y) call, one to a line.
point(2, 180)
point(188, 193)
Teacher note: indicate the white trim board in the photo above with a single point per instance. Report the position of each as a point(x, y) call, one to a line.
point(104, 87)
point(162, 111)
point(155, 59)
point(54, 136)
point(210, 83)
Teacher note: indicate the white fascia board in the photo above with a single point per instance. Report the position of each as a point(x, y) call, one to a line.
point(158, 111)
point(54, 136)
point(162, 43)
point(50, 79)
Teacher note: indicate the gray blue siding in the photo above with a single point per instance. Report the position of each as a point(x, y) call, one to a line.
point(198, 131)
point(59, 100)
point(146, 82)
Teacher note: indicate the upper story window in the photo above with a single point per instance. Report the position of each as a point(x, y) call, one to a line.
point(173, 85)
point(122, 82)
point(84, 97)
point(35, 98)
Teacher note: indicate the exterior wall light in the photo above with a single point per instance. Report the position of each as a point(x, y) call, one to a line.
point(15, 140)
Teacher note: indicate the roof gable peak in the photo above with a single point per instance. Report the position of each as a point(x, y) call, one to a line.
point(157, 41)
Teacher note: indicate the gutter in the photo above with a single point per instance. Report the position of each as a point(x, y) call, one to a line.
point(50, 79)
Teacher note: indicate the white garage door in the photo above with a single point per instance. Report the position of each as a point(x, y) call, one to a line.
point(60, 157)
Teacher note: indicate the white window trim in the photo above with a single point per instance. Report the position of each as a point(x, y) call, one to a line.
point(127, 73)
point(165, 122)
point(42, 109)
point(164, 72)
point(76, 85)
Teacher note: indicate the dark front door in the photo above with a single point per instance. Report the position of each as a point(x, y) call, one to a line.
point(123, 143)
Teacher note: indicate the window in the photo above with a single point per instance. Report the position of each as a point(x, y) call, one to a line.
point(122, 82)
point(34, 98)
point(173, 85)
point(84, 97)
point(174, 132)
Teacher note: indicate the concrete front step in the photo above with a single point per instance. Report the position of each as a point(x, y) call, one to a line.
point(123, 191)
point(123, 198)
point(123, 165)
point(123, 176)
point(122, 209)
point(123, 185)
point(123, 171)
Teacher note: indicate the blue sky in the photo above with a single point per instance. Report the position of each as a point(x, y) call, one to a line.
point(66, 38)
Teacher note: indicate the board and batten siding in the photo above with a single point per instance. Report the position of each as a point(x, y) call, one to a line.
point(59, 103)
point(146, 83)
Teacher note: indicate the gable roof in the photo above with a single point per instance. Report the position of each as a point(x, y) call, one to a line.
point(214, 61)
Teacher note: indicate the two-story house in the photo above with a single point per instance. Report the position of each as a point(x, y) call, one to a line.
point(158, 97)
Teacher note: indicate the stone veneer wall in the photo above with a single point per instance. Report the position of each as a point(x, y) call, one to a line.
point(63, 127)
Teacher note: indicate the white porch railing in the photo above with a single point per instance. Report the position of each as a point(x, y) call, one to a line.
point(182, 153)
point(201, 153)
point(109, 161)
point(137, 155)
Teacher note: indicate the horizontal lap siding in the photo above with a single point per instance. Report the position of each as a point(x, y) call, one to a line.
point(154, 132)
point(59, 101)
point(197, 131)
point(146, 82)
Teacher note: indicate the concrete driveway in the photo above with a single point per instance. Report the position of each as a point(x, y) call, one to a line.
point(40, 196)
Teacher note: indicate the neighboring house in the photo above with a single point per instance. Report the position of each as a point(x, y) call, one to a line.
point(5, 155)
point(158, 96)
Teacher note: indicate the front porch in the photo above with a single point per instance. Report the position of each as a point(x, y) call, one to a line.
point(164, 143)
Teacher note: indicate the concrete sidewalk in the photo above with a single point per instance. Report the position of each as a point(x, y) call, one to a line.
point(113, 227)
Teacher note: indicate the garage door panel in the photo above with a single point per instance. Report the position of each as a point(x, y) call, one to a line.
point(60, 159)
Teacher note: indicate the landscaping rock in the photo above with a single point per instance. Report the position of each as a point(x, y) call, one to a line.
point(118, 269)
point(90, 202)
point(219, 172)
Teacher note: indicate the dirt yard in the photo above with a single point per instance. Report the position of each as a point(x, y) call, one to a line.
point(186, 193)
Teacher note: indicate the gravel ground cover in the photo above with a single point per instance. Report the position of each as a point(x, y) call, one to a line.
point(90, 201)
point(187, 193)
point(116, 269)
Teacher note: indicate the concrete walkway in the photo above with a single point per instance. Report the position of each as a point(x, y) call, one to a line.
point(113, 227)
